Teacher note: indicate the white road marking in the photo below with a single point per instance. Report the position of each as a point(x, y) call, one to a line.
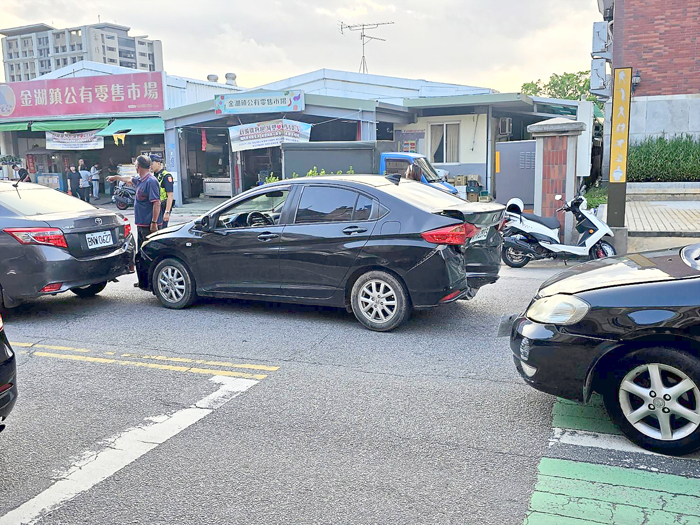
point(584, 438)
point(122, 450)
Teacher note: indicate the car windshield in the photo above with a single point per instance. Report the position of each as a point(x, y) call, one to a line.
point(428, 171)
point(31, 200)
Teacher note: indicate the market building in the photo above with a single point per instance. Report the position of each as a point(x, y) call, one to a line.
point(92, 111)
point(461, 129)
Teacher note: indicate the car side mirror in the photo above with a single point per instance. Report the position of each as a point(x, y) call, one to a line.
point(557, 197)
point(202, 223)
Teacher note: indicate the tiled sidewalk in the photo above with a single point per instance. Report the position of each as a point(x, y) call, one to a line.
point(663, 216)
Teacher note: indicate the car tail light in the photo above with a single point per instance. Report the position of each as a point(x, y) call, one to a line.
point(457, 235)
point(2, 324)
point(53, 287)
point(127, 227)
point(5, 388)
point(45, 236)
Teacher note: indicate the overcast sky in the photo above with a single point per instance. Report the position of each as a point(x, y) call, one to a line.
point(490, 43)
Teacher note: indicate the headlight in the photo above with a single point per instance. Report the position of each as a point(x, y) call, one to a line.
point(558, 309)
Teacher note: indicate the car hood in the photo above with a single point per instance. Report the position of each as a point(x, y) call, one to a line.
point(666, 265)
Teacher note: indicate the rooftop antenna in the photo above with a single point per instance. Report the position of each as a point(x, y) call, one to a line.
point(98, 18)
point(364, 37)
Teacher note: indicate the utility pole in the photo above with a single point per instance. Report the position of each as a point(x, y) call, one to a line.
point(364, 37)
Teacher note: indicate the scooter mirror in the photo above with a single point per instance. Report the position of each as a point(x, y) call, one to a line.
point(557, 197)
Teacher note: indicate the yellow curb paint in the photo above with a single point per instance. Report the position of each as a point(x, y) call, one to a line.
point(173, 368)
point(157, 358)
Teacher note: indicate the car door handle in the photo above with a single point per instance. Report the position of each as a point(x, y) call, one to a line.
point(267, 236)
point(352, 230)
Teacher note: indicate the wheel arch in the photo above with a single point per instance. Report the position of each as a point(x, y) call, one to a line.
point(169, 255)
point(359, 272)
point(597, 374)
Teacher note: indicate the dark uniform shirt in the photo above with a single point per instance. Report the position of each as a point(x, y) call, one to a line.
point(167, 185)
point(147, 192)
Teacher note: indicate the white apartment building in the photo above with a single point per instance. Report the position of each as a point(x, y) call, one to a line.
point(34, 50)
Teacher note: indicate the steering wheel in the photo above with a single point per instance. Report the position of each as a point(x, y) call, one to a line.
point(255, 217)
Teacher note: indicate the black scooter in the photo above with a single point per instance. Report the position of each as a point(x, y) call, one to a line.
point(124, 196)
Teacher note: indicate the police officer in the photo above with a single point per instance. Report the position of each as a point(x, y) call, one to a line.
point(165, 180)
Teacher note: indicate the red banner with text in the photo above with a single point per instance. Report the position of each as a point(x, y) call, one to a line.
point(106, 94)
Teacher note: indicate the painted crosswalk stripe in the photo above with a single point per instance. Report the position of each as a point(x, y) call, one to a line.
point(569, 492)
point(122, 450)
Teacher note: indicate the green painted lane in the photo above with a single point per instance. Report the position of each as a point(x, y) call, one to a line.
point(571, 492)
point(591, 417)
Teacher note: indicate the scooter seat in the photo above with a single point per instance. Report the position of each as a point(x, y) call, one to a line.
point(549, 222)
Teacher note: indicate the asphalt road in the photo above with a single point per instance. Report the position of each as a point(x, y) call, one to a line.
point(240, 412)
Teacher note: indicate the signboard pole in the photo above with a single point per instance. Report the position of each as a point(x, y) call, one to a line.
point(619, 146)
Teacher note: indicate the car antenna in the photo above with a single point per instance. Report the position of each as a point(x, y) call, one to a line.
point(395, 178)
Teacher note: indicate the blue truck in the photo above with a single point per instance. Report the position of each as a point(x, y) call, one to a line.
point(364, 158)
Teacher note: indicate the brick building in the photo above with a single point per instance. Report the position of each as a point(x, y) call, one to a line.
point(660, 41)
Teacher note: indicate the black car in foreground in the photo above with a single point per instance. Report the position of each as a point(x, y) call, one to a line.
point(376, 245)
point(628, 328)
point(51, 243)
point(8, 377)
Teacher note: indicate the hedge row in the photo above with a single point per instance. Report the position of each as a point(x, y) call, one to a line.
point(664, 160)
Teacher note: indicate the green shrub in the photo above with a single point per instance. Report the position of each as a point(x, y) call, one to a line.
point(664, 160)
point(596, 196)
point(271, 178)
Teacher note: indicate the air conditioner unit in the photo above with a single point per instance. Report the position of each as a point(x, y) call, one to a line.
point(505, 126)
point(600, 79)
point(602, 41)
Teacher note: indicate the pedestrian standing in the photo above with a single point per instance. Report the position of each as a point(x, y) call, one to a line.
point(95, 178)
point(166, 183)
point(147, 203)
point(21, 173)
point(85, 184)
point(112, 169)
point(74, 182)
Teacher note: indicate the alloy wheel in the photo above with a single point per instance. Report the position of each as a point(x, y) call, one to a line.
point(660, 401)
point(171, 284)
point(378, 301)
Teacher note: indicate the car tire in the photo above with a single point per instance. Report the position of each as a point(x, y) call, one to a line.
point(122, 206)
point(601, 250)
point(393, 307)
point(89, 291)
point(509, 257)
point(669, 367)
point(173, 285)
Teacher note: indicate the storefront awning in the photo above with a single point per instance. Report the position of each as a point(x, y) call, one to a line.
point(14, 126)
point(134, 126)
point(70, 125)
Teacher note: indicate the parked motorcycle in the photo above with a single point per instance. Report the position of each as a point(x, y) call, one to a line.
point(529, 237)
point(124, 196)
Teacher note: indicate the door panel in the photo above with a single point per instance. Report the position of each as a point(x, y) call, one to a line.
point(332, 226)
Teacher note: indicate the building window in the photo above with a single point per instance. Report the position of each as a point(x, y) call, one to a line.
point(80, 47)
point(143, 54)
point(112, 61)
point(12, 68)
point(444, 143)
point(142, 43)
point(57, 49)
point(65, 61)
point(74, 60)
point(110, 37)
point(12, 78)
point(58, 62)
point(72, 47)
point(151, 67)
point(111, 48)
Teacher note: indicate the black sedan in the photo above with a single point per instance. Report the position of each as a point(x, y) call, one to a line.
point(51, 243)
point(377, 246)
point(628, 328)
point(8, 377)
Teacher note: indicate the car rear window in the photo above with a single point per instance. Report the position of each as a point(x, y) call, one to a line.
point(422, 196)
point(40, 201)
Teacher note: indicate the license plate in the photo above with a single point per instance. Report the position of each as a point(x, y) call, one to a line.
point(99, 239)
point(481, 235)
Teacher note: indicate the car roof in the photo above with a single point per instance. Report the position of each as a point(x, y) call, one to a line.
point(9, 185)
point(370, 180)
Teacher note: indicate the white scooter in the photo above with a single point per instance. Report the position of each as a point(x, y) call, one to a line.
point(529, 237)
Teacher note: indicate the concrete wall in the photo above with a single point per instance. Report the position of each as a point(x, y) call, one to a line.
point(667, 115)
point(472, 142)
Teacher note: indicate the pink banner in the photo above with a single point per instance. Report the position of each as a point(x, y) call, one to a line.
point(107, 94)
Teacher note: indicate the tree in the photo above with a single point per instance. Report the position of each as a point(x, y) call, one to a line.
point(571, 86)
